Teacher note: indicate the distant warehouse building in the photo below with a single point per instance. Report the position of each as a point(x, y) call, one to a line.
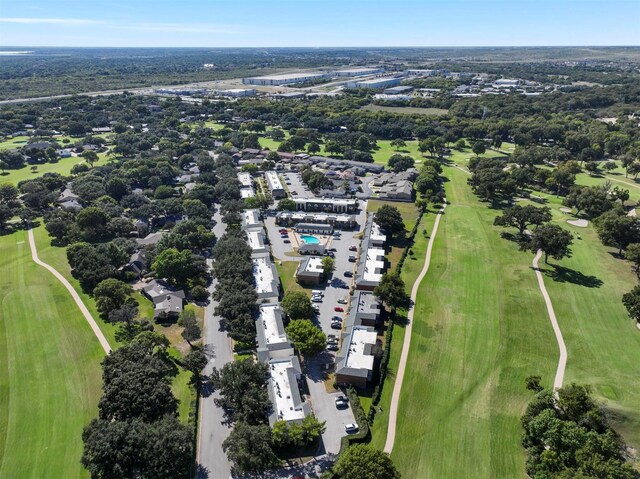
point(274, 184)
point(357, 72)
point(381, 82)
point(237, 92)
point(283, 79)
point(398, 90)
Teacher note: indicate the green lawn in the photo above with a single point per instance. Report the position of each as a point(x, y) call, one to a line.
point(480, 328)
point(407, 110)
point(50, 376)
point(63, 166)
point(17, 142)
point(287, 273)
point(57, 257)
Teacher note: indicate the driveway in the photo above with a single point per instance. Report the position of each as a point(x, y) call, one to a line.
point(213, 430)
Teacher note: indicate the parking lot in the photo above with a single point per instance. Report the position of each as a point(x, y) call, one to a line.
point(297, 189)
point(337, 288)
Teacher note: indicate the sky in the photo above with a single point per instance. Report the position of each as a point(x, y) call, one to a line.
point(318, 23)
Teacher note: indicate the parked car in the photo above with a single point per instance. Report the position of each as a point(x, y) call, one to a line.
point(283, 231)
point(352, 258)
point(336, 319)
point(339, 309)
point(353, 248)
point(342, 301)
point(330, 254)
point(336, 325)
point(332, 346)
point(287, 241)
point(341, 402)
point(316, 308)
point(348, 274)
point(284, 235)
point(351, 428)
point(316, 299)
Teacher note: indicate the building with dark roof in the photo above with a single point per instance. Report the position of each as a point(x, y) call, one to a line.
point(167, 300)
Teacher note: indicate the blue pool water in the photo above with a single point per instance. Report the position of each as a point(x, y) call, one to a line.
point(309, 239)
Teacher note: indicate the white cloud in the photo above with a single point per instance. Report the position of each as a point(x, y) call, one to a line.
point(57, 21)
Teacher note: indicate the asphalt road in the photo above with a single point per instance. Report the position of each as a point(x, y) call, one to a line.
point(213, 430)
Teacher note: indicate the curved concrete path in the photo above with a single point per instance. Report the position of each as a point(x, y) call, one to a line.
point(397, 387)
point(74, 294)
point(562, 362)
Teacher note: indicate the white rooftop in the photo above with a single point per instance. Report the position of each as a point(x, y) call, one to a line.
point(314, 265)
point(377, 235)
point(244, 178)
point(288, 76)
point(254, 239)
point(285, 405)
point(273, 180)
point(263, 275)
point(328, 201)
point(356, 357)
point(251, 217)
point(374, 264)
point(269, 323)
point(247, 192)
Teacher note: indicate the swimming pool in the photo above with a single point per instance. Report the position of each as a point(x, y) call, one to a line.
point(308, 239)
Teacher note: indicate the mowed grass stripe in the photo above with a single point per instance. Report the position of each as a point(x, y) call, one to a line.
point(480, 329)
point(51, 381)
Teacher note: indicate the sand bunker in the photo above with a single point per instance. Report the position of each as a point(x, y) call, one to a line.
point(565, 210)
point(579, 223)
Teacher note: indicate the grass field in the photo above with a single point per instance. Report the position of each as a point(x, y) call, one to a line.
point(57, 257)
point(63, 166)
point(480, 328)
point(603, 344)
point(50, 376)
point(407, 110)
point(17, 142)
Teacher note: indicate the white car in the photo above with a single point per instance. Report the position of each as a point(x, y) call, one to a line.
point(351, 428)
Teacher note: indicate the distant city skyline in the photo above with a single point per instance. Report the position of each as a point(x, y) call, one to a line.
point(327, 23)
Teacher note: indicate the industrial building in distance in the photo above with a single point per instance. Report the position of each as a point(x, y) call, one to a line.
point(283, 79)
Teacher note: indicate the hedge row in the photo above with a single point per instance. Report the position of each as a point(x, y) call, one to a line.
point(384, 362)
point(364, 434)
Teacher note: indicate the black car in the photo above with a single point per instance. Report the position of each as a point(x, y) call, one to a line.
point(332, 347)
point(348, 274)
point(336, 325)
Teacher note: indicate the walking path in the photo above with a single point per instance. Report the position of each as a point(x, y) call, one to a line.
point(397, 387)
point(562, 362)
point(74, 294)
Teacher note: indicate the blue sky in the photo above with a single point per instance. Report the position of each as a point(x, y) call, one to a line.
point(273, 23)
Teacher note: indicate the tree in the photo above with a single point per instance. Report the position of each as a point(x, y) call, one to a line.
point(399, 163)
point(111, 294)
point(617, 229)
point(178, 267)
point(391, 291)
point(306, 337)
point(136, 384)
point(189, 322)
point(195, 361)
point(250, 448)
point(286, 204)
point(313, 148)
point(553, 240)
point(479, 148)
point(117, 449)
point(619, 194)
point(243, 390)
point(398, 143)
point(632, 254)
point(93, 222)
point(328, 265)
point(361, 461)
point(523, 216)
point(533, 383)
point(390, 220)
point(297, 305)
point(460, 145)
point(90, 156)
point(593, 200)
point(631, 301)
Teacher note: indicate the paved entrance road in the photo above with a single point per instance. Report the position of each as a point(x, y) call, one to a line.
point(212, 431)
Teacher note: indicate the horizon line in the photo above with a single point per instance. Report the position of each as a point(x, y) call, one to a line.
point(332, 46)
